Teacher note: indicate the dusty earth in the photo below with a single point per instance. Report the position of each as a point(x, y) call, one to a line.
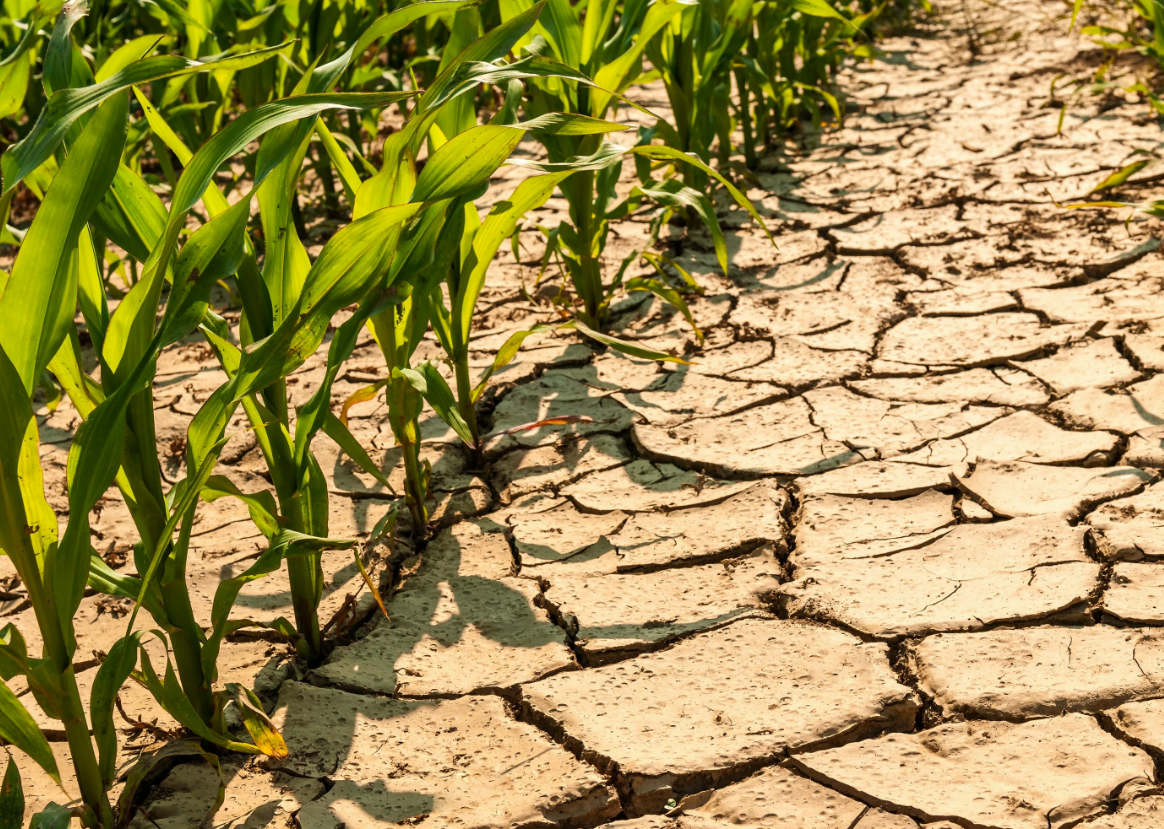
point(889, 554)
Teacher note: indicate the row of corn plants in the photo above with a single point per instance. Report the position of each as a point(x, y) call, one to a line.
point(123, 129)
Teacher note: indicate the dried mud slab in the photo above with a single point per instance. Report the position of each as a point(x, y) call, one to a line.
point(1019, 490)
point(886, 232)
point(677, 395)
point(994, 386)
point(1140, 408)
point(1106, 299)
point(1146, 449)
point(462, 624)
point(558, 534)
point(1140, 813)
point(1129, 529)
point(1091, 364)
point(553, 531)
point(1147, 349)
point(451, 761)
point(830, 321)
point(776, 798)
point(777, 439)
point(1141, 723)
point(1136, 593)
point(972, 341)
point(886, 428)
point(973, 576)
point(642, 485)
point(875, 479)
point(835, 528)
point(1022, 436)
point(554, 394)
point(524, 471)
point(797, 365)
point(615, 615)
point(717, 706)
point(1042, 774)
point(254, 798)
point(1039, 671)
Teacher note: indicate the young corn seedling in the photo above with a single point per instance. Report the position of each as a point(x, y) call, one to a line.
point(271, 294)
point(694, 54)
point(36, 312)
point(448, 243)
point(120, 406)
point(786, 75)
point(605, 49)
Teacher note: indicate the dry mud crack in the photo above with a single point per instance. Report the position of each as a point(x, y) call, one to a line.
point(888, 555)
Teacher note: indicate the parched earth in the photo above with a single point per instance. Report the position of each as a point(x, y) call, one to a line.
point(888, 554)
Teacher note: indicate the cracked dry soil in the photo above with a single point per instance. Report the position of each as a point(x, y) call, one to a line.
point(887, 555)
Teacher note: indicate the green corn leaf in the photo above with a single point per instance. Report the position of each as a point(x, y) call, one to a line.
point(39, 301)
point(286, 544)
point(64, 68)
point(466, 162)
point(1076, 7)
point(496, 43)
point(349, 178)
point(189, 490)
point(112, 674)
point(565, 123)
point(129, 53)
point(132, 322)
point(131, 215)
point(497, 227)
point(338, 432)
point(261, 506)
point(67, 105)
point(20, 503)
point(1121, 175)
point(671, 154)
point(427, 380)
point(104, 579)
point(214, 252)
point(668, 294)
point(172, 698)
point(345, 271)
point(95, 456)
point(606, 155)
point(509, 349)
point(52, 816)
point(316, 413)
point(562, 22)
point(11, 798)
point(672, 194)
point(13, 653)
point(820, 8)
point(470, 75)
point(15, 69)
point(624, 347)
point(618, 73)
point(19, 728)
point(383, 27)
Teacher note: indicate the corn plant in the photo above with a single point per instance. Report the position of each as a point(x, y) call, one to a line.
point(449, 243)
point(605, 49)
point(694, 53)
point(54, 272)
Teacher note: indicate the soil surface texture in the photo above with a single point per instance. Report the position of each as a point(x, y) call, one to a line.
point(887, 554)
